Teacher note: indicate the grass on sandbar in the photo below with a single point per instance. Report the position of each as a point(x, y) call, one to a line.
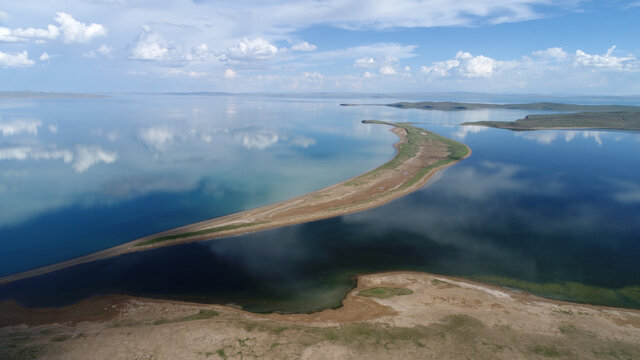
point(384, 292)
point(196, 233)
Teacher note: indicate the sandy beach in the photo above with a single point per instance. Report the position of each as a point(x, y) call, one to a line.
point(438, 317)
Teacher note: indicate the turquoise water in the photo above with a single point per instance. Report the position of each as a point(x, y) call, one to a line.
point(527, 208)
point(81, 175)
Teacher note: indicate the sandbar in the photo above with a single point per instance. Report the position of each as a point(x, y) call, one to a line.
point(419, 155)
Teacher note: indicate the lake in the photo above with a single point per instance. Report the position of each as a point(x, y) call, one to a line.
point(552, 212)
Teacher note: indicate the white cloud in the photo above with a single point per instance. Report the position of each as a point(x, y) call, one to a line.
point(44, 57)
point(365, 62)
point(313, 76)
point(441, 68)
point(102, 49)
point(71, 30)
point(360, 15)
point(607, 61)
point(385, 65)
point(53, 129)
point(383, 53)
point(20, 126)
point(252, 49)
point(303, 46)
point(157, 138)
point(19, 34)
point(105, 50)
point(554, 53)
point(387, 70)
point(229, 74)
point(75, 31)
point(15, 60)
point(464, 64)
point(149, 46)
point(87, 156)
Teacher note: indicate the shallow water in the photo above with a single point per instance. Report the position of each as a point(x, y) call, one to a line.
point(526, 208)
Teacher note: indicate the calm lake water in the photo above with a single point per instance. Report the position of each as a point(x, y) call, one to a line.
point(526, 210)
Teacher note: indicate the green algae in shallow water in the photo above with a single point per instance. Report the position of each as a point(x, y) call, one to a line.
point(384, 292)
point(572, 291)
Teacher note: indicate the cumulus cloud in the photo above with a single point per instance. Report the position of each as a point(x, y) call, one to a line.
point(75, 31)
point(313, 76)
point(464, 64)
point(385, 65)
point(149, 46)
point(229, 74)
point(387, 70)
point(68, 28)
point(102, 49)
point(19, 126)
point(252, 49)
point(303, 46)
point(44, 57)
point(15, 60)
point(554, 53)
point(366, 62)
point(607, 61)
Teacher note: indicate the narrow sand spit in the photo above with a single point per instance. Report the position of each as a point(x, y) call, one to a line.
point(419, 155)
point(439, 317)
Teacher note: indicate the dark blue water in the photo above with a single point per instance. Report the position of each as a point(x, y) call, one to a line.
point(552, 207)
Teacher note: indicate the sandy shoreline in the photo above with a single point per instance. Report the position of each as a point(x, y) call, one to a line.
point(402, 175)
point(439, 317)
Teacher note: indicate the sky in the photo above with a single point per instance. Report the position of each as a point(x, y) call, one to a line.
point(572, 47)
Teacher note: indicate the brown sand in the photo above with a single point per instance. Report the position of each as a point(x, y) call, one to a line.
point(444, 318)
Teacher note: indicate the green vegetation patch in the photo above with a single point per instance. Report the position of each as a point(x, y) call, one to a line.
point(200, 315)
point(617, 120)
point(61, 338)
point(416, 137)
point(197, 233)
point(549, 351)
point(628, 297)
point(550, 106)
point(384, 292)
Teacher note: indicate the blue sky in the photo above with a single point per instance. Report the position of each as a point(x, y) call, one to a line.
point(573, 47)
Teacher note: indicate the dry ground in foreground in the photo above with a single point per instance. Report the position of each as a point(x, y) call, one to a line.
point(443, 318)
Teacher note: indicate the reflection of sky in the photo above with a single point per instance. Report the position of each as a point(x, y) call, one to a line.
point(552, 212)
point(61, 156)
point(114, 169)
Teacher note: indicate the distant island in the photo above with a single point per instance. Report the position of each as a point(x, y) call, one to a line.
point(573, 116)
point(46, 95)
